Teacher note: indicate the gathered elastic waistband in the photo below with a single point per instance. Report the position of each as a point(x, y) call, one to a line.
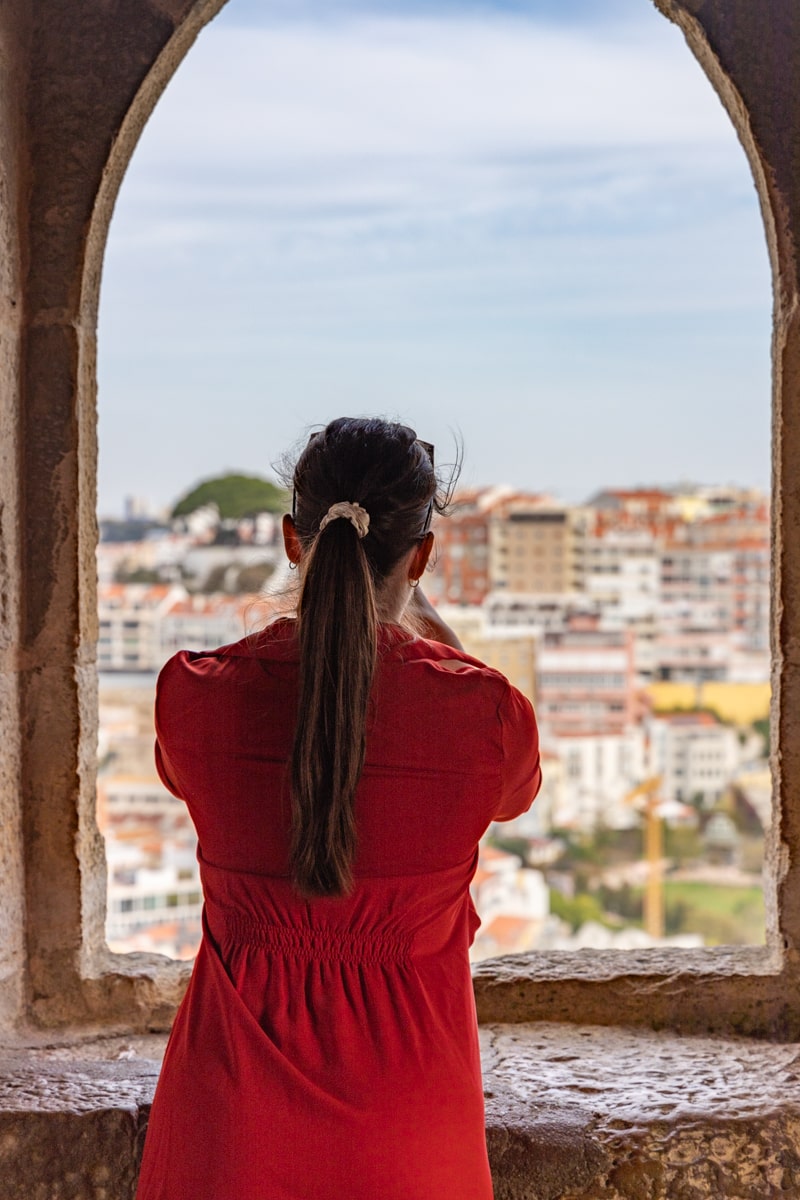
point(320, 943)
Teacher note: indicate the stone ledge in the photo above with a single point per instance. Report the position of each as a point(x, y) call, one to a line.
point(723, 990)
point(583, 1113)
point(72, 1126)
point(573, 1113)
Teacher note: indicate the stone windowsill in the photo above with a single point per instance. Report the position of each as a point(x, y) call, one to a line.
point(573, 1113)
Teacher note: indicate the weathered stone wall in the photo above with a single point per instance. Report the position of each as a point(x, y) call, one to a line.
point(751, 53)
point(81, 83)
point(579, 1113)
point(91, 74)
point(573, 1113)
point(13, 52)
point(635, 1115)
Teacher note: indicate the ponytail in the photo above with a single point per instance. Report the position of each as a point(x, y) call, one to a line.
point(363, 494)
point(337, 633)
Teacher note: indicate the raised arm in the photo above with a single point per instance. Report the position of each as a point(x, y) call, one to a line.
point(430, 623)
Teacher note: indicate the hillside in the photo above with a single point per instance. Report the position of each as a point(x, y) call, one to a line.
point(234, 495)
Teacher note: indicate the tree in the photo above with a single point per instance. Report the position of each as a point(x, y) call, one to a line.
point(235, 496)
point(762, 727)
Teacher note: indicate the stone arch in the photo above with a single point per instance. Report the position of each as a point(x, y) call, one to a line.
point(92, 79)
point(85, 79)
point(754, 88)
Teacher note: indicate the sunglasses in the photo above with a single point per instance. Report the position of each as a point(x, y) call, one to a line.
point(428, 448)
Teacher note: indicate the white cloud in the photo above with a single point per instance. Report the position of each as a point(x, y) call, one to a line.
point(429, 88)
point(304, 134)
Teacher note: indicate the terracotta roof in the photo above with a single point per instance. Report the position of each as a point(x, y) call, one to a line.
point(638, 493)
point(212, 605)
point(492, 854)
point(506, 931)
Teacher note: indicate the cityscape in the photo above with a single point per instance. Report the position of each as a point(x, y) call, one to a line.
point(637, 622)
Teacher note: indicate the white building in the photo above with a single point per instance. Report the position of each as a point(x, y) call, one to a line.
point(599, 772)
point(142, 625)
point(153, 908)
point(154, 894)
point(130, 625)
point(695, 755)
point(538, 611)
point(203, 622)
point(512, 901)
point(623, 574)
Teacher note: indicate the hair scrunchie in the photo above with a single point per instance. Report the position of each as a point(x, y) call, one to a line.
point(352, 512)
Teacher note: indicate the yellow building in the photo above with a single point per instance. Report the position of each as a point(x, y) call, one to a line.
point(740, 703)
point(514, 654)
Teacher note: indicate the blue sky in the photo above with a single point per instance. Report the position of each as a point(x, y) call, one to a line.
point(529, 222)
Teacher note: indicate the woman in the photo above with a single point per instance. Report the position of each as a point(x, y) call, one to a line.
point(340, 772)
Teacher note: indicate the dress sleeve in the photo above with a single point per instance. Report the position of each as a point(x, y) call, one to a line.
point(164, 718)
point(521, 771)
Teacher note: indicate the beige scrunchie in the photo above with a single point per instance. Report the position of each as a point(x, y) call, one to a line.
point(354, 513)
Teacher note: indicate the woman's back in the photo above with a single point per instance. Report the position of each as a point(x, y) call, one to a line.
point(328, 1047)
point(449, 749)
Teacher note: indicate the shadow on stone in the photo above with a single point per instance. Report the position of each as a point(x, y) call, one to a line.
point(539, 1153)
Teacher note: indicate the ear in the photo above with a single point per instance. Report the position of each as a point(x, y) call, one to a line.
point(291, 542)
point(421, 555)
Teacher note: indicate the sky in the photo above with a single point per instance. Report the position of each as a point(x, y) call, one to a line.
point(525, 228)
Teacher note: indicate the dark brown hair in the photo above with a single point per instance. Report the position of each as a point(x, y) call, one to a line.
point(382, 467)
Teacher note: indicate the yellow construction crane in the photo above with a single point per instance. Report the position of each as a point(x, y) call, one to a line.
point(653, 853)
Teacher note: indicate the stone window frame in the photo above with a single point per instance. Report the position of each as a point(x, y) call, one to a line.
point(78, 84)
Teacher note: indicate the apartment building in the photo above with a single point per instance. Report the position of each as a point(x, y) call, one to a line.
point(622, 573)
point(142, 625)
point(751, 593)
point(541, 613)
point(600, 770)
point(461, 573)
point(154, 893)
point(715, 582)
point(508, 649)
point(498, 539)
point(202, 622)
point(586, 680)
point(699, 577)
point(536, 546)
point(695, 755)
point(653, 509)
point(688, 650)
point(130, 618)
point(154, 907)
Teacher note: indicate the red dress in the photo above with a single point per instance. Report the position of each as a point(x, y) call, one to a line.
point(328, 1049)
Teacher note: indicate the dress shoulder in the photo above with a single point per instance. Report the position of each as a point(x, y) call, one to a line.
point(452, 683)
point(186, 689)
point(522, 772)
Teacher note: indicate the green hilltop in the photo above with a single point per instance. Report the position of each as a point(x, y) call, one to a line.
point(235, 496)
